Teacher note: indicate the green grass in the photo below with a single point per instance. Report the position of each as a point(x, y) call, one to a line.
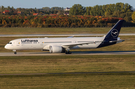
point(61, 64)
point(62, 30)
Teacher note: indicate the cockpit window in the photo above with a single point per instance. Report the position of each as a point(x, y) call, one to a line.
point(10, 43)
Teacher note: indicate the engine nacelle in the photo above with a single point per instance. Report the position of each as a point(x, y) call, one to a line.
point(56, 49)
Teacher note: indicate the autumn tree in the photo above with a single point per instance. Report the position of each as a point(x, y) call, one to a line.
point(77, 9)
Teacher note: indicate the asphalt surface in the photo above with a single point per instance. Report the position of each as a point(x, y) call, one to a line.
point(59, 35)
point(73, 53)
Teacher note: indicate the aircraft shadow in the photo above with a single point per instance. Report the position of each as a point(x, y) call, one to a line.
point(90, 52)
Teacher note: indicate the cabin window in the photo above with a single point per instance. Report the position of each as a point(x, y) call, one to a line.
point(10, 43)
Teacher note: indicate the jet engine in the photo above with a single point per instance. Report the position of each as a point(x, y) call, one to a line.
point(56, 49)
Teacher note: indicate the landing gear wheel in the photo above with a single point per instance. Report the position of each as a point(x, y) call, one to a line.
point(14, 51)
point(68, 52)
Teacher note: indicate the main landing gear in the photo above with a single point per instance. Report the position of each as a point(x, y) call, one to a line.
point(67, 51)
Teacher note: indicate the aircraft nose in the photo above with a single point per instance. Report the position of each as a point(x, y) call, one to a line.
point(6, 46)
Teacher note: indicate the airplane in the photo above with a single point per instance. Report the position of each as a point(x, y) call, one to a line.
point(63, 45)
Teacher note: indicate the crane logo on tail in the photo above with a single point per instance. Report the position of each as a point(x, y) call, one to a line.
point(114, 33)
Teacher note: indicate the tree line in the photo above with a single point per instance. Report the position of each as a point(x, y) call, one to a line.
point(30, 11)
point(119, 10)
point(59, 21)
point(79, 16)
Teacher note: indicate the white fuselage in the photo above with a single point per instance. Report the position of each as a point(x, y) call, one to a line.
point(44, 43)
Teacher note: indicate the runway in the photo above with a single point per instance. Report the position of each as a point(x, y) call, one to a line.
point(73, 53)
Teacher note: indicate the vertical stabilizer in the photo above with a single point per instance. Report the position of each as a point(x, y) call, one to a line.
point(112, 35)
point(114, 32)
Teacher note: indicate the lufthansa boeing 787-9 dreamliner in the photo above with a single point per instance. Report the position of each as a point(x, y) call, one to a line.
point(60, 45)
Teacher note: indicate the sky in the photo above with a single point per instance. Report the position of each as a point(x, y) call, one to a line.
point(59, 3)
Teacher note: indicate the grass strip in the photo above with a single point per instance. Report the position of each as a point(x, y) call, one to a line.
point(84, 81)
point(68, 63)
point(100, 30)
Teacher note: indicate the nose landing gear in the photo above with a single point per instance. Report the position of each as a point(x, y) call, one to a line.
point(14, 51)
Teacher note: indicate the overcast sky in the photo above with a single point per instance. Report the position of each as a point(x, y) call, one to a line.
point(59, 3)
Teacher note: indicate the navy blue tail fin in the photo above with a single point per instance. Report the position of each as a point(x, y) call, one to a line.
point(112, 35)
point(114, 32)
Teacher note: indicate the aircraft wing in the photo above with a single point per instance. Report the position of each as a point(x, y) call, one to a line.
point(70, 45)
point(75, 44)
